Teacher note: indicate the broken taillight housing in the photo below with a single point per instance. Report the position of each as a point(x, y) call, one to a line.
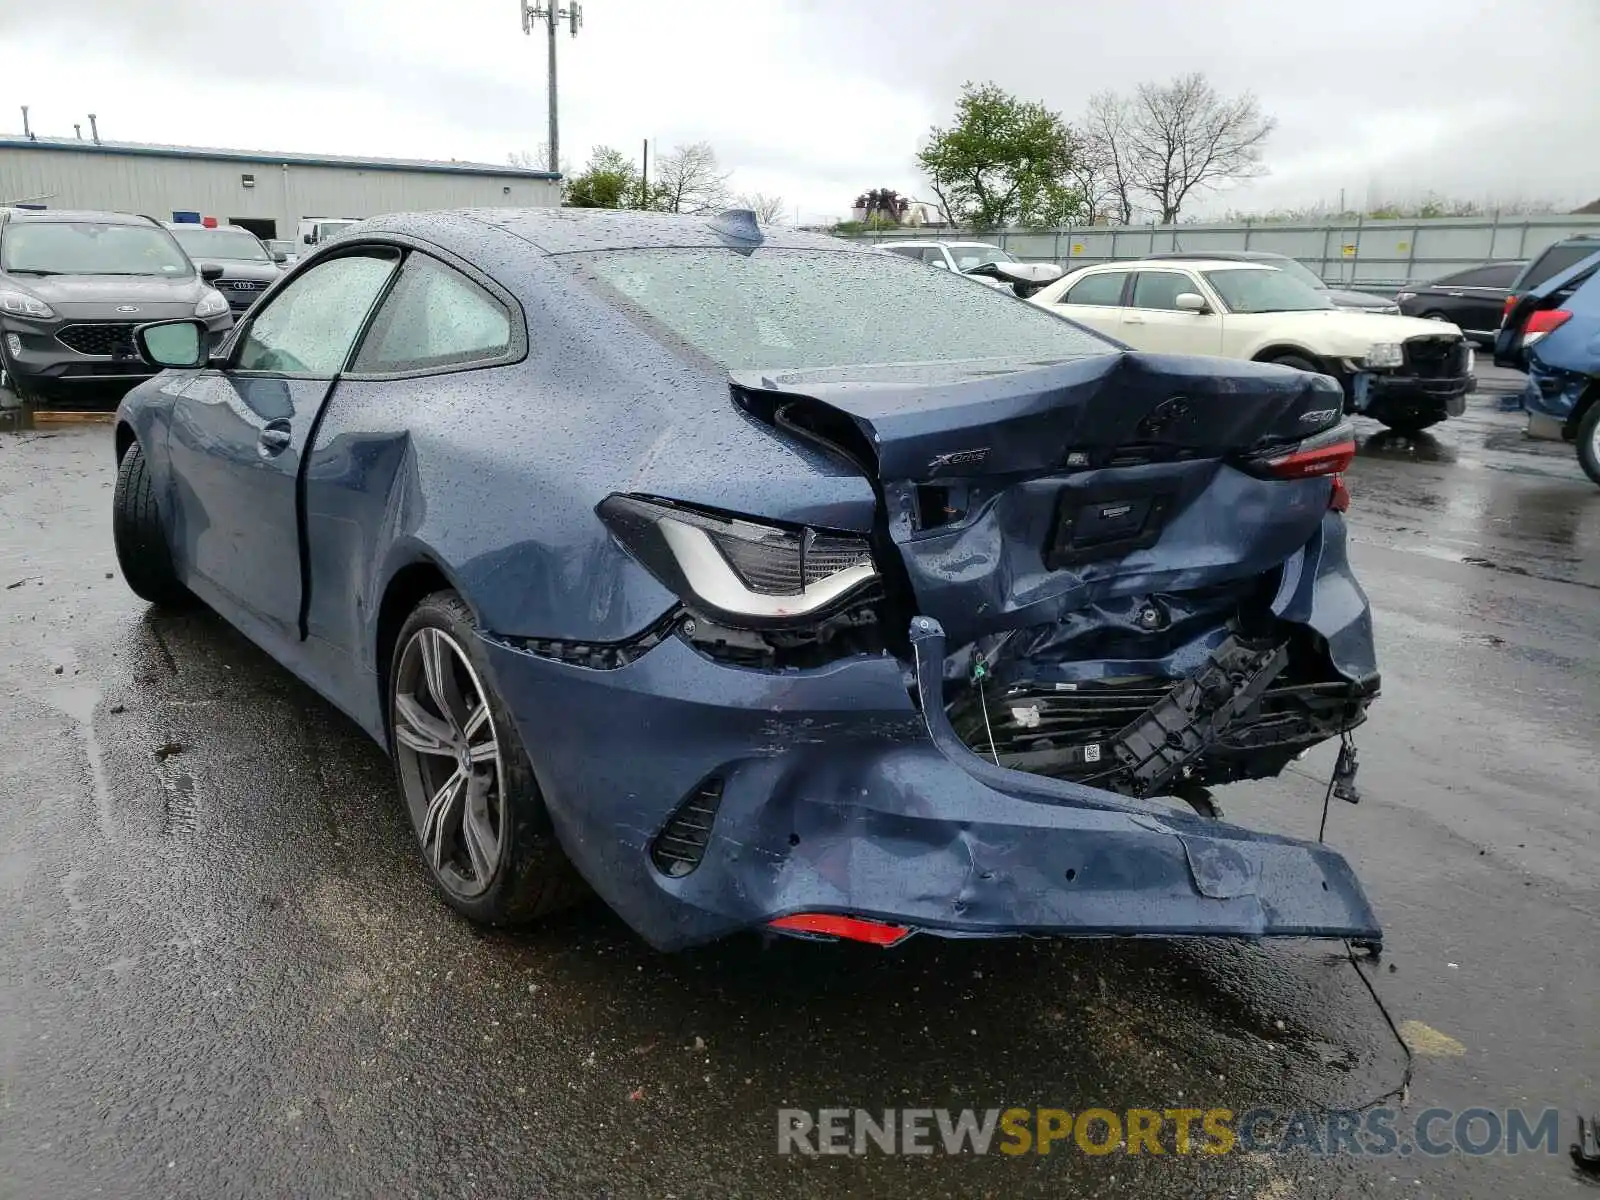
point(1328, 453)
point(746, 573)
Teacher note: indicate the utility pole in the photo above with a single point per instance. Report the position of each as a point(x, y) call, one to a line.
point(552, 14)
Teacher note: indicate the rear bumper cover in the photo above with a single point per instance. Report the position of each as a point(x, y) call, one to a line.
point(840, 794)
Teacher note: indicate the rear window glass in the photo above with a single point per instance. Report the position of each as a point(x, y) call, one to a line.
point(1499, 275)
point(820, 308)
point(1556, 260)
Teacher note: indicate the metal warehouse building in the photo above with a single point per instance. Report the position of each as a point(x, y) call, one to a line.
point(267, 193)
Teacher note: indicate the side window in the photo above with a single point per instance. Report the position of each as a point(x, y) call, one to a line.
point(1498, 276)
point(906, 251)
point(309, 327)
point(434, 317)
point(934, 256)
point(1160, 289)
point(1105, 289)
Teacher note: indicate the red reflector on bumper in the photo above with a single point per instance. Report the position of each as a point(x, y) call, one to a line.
point(1339, 499)
point(855, 929)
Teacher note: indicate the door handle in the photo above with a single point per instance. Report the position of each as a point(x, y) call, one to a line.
point(1133, 320)
point(275, 438)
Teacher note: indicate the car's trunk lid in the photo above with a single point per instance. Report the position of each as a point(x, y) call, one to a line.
point(1018, 492)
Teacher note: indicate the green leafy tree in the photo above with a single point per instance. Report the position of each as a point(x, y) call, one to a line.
point(1003, 161)
point(611, 180)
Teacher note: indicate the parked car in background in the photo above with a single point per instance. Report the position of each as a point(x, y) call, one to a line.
point(1339, 297)
point(314, 231)
point(1553, 332)
point(1473, 299)
point(987, 264)
point(1555, 259)
point(712, 640)
point(248, 267)
point(74, 285)
point(1407, 373)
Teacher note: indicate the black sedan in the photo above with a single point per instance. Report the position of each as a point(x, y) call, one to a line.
point(1473, 299)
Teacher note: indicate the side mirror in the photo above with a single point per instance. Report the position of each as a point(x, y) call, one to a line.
point(939, 264)
point(179, 344)
point(309, 239)
point(278, 256)
point(210, 272)
point(1192, 302)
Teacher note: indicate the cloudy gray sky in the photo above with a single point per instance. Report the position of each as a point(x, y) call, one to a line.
point(817, 100)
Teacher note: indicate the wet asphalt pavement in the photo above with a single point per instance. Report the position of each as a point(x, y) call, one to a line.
point(222, 971)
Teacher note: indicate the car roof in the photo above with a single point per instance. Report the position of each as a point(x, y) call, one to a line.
point(43, 215)
point(1219, 255)
point(1210, 264)
point(206, 228)
point(577, 230)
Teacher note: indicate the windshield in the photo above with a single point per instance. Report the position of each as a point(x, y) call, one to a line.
point(784, 309)
point(1254, 291)
point(975, 254)
point(1298, 270)
point(90, 248)
point(232, 244)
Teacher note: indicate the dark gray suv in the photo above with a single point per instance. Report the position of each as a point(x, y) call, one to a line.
point(73, 287)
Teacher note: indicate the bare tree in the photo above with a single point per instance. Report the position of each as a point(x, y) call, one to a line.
point(688, 179)
point(1186, 135)
point(769, 210)
point(1105, 170)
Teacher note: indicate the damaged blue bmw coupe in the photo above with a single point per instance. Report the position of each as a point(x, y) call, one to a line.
point(755, 580)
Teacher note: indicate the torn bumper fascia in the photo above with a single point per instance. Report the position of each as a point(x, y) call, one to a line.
point(840, 796)
point(1370, 390)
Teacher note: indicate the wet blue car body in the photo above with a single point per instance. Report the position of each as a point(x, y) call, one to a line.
point(313, 512)
point(1563, 364)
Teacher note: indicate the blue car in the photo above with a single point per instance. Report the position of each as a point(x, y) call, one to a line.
point(759, 581)
point(1553, 333)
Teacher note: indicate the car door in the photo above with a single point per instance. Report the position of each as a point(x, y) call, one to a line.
point(428, 352)
point(238, 435)
point(1152, 319)
point(1095, 300)
point(1483, 296)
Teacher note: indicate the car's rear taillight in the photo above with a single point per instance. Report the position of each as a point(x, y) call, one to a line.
point(1541, 323)
point(1327, 453)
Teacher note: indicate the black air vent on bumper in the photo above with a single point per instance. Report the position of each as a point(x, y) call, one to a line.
point(680, 846)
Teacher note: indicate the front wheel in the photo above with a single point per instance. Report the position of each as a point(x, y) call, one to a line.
point(141, 544)
point(1298, 362)
point(474, 802)
point(1589, 442)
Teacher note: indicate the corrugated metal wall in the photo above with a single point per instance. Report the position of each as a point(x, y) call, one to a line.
point(1367, 255)
point(160, 186)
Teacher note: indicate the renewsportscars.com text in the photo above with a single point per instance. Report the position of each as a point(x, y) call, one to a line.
point(1207, 1131)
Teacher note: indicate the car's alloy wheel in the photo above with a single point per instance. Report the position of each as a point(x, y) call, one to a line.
point(472, 795)
point(451, 768)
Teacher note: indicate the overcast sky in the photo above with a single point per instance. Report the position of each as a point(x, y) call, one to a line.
point(818, 100)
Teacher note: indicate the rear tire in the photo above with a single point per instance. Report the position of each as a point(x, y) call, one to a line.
point(468, 785)
point(143, 554)
point(1589, 442)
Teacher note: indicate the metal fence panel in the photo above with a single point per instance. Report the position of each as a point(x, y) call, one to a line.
point(1372, 255)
